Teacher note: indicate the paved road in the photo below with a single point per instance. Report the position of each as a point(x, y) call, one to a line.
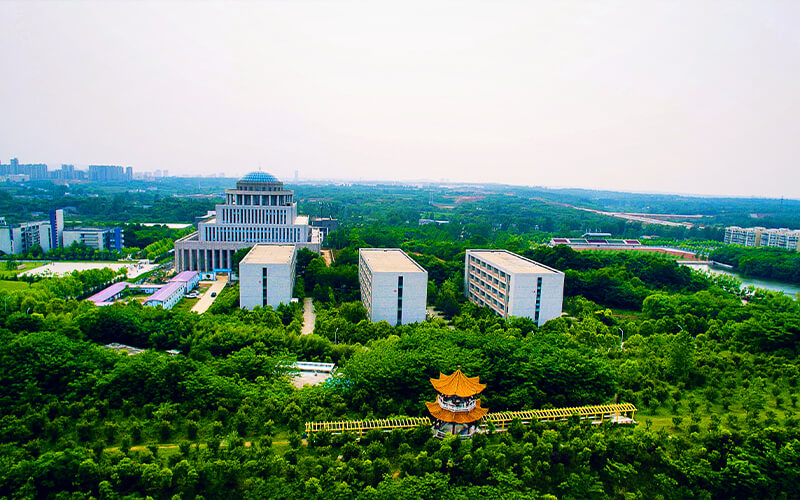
point(309, 317)
point(206, 300)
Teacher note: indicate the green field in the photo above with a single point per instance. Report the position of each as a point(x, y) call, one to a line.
point(10, 286)
point(19, 268)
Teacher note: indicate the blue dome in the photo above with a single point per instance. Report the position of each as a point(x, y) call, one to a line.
point(259, 177)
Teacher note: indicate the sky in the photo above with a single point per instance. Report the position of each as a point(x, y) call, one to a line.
point(656, 96)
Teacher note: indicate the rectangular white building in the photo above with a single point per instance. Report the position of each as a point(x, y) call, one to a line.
point(98, 238)
point(167, 296)
point(266, 276)
point(512, 285)
point(763, 237)
point(394, 288)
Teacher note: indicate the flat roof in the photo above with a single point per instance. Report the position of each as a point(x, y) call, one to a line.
point(389, 260)
point(269, 254)
point(89, 229)
point(511, 262)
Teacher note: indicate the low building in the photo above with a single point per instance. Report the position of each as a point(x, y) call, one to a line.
point(324, 225)
point(110, 294)
point(266, 276)
point(394, 288)
point(167, 296)
point(512, 285)
point(98, 238)
point(190, 280)
point(598, 243)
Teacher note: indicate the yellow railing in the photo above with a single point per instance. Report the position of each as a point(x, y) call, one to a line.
point(619, 413)
point(361, 426)
point(615, 412)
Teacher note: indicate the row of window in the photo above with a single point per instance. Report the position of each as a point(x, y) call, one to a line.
point(485, 291)
point(252, 234)
point(253, 216)
point(500, 283)
point(264, 286)
point(488, 267)
point(268, 200)
point(399, 300)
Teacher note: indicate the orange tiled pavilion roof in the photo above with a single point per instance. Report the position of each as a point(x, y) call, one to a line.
point(457, 384)
point(473, 415)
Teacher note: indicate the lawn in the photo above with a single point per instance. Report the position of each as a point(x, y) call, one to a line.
point(19, 268)
point(11, 286)
point(185, 305)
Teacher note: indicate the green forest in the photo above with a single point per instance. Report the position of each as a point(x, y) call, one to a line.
point(770, 263)
point(714, 373)
point(715, 379)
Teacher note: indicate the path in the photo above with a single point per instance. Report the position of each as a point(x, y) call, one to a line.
point(328, 256)
point(633, 216)
point(433, 313)
point(309, 316)
point(206, 300)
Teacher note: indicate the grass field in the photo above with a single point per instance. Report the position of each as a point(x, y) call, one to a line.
point(10, 286)
point(24, 266)
point(185, 305)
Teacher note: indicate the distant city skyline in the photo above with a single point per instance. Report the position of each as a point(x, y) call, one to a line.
point(665, 97)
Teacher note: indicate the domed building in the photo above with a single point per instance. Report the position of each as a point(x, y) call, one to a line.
point(258, 210)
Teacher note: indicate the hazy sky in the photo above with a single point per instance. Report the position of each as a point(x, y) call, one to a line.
point(694, 96)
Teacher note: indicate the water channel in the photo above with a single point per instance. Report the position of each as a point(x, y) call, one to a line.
point(779, 286)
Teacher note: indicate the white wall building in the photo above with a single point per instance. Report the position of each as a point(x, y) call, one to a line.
point(190, 280)
point(167, 296)
point(512, 285)
point(22, 237)
point(763, 237)
point(266, 276)
point(98, 238)
point(394, 288)
point(258, 210)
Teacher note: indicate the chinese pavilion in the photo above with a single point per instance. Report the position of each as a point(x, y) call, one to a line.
point(456, 410)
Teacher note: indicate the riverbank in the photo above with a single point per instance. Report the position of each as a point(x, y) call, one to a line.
point(790, 289)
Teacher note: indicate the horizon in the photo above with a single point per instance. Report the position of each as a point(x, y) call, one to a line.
point(448, 182)
point(644, 98)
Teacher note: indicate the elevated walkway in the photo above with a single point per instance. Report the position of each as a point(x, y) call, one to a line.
point(616, 413)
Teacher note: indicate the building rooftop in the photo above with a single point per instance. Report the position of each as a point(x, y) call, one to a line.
point(259, 177)
point(165, 291)
point(105, 294)
point(389, 260)
point(90, 229)
point(511, 262)
point(269, 254)
point(457, 384)
point(184, 276)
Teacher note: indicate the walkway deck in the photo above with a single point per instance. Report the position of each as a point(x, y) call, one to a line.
point(616, 413)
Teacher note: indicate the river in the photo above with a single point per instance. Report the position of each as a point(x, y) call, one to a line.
point(779, 286)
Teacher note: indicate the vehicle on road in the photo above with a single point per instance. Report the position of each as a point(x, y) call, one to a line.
point(213, 294)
